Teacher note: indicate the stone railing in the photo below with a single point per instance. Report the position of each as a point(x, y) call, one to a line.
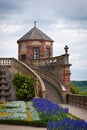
point(21, 67)
point(62, 59)
point(77, 100)
point(5, 61)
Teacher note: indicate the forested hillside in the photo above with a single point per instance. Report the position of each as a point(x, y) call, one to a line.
point(82, 85)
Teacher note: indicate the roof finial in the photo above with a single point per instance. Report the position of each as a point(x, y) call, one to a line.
point(66, 49)
point(34, 23)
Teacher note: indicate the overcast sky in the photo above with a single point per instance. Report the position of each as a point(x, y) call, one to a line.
point(65, 21)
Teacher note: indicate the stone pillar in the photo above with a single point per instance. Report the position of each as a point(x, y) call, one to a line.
point(66, 70)
point(66, 77)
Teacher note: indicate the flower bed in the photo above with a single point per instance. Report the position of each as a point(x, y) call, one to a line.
point(39, 112)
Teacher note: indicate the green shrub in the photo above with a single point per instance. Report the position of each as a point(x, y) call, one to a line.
point(24, 86)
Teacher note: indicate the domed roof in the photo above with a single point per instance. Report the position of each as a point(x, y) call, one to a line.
point(35, 34)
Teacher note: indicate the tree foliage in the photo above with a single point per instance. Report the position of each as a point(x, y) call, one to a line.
point(82, 85)
point(74, 89)
point(24, 86)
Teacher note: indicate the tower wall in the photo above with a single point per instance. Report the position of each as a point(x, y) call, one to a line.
point(26, 49)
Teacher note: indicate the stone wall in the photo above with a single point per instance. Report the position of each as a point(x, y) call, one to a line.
point(7, 89)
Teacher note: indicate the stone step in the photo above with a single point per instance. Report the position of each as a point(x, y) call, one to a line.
point(52, 93)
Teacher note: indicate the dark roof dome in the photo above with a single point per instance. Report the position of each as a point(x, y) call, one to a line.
point(35, 34)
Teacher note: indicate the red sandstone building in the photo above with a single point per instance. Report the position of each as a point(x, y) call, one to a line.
point(35, 50)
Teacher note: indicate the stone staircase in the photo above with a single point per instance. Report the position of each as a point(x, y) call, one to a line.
point(52, 84)
point(52, 93)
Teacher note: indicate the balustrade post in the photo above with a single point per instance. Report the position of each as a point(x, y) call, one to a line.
point(66, 70)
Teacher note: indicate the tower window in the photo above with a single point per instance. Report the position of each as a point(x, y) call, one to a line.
point(23, 57)
point(36, 52)
point(47, 52)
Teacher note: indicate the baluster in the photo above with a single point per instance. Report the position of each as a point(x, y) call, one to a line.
point(9, 62)
point(5, 62)
point(1, 62)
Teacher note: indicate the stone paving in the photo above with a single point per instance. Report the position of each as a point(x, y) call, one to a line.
point(79, 112)
point(14, 127)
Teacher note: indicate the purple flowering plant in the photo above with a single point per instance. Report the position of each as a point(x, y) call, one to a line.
point(57, 117)
point(48, 110)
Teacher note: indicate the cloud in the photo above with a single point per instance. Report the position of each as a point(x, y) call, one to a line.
point(65, 21)
point(76, 38)
point(46, 11)
point(77, 74)
point(5, 28)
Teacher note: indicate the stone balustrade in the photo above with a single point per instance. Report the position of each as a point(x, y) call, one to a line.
point(5, 61)
point(77, 100)
point(62, 59)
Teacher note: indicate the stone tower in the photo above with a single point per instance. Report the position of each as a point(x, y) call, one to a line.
point(35, 45)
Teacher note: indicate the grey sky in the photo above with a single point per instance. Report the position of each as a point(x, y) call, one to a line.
point(65, 21)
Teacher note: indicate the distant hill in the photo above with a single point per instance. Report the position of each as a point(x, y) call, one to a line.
point(82, 85)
